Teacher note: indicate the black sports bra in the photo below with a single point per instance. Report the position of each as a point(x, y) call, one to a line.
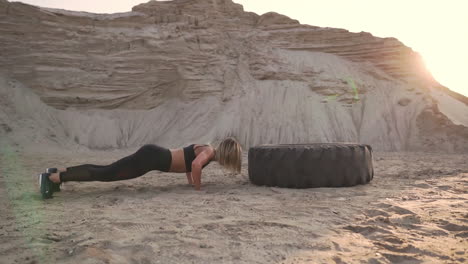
point(189, 156)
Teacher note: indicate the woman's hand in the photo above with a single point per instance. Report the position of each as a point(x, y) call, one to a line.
point(196, 170)
point(197, 165)
point(189, 178)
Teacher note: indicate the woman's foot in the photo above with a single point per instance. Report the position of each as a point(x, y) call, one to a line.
point(55, 178)
point(45, 185)
point(49, 182)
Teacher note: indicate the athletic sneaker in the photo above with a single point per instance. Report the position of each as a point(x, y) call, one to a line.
point(45, 185)
point(55, 186)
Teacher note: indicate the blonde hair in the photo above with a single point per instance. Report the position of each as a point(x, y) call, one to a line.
point(229, 154)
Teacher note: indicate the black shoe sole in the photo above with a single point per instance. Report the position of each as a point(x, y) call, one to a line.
point(45, 186)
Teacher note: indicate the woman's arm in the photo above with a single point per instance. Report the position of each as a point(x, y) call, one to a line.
point(189, 178)
point(197, 164)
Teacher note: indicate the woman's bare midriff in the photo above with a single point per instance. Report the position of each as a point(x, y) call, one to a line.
point(178, 160)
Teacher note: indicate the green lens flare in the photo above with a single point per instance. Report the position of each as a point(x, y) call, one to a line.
point(24, 199)
point(332, 97)
point(351, 83)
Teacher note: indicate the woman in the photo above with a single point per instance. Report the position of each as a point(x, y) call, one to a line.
point(190, 160)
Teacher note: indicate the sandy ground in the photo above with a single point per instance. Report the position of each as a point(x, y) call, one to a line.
point(414, 211)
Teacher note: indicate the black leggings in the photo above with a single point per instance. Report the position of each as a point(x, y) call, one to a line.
point(147, 158)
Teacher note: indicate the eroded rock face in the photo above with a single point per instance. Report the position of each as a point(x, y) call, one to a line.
point(205, 69)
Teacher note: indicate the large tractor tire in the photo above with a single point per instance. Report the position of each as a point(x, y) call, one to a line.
point(311, 165)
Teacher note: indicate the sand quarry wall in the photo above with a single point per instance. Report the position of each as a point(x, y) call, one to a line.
point(175, 73)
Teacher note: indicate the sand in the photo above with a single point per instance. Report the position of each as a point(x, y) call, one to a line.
point(414, 211)
point(186, 78)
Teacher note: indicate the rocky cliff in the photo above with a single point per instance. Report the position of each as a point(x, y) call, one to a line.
point(198, 70)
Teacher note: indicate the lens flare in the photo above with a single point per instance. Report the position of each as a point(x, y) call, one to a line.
point(24, 200)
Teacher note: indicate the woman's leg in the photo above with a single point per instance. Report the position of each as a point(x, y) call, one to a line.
point(147, 158)
point(55, 177)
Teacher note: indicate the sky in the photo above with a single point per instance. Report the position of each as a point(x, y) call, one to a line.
point(437, 29)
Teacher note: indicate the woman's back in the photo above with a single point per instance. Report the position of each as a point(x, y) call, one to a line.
point(182, 158)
